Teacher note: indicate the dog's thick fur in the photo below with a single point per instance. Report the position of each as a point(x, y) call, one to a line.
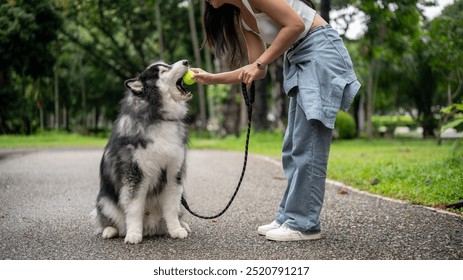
point(142, 170)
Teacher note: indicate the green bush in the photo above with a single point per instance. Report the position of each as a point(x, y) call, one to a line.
point(345, 126)
point(387, 124)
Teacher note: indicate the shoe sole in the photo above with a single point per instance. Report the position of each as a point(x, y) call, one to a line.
point(264, 231)
point(313, 236)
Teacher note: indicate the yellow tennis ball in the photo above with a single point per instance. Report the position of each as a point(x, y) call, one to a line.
point(188, 77)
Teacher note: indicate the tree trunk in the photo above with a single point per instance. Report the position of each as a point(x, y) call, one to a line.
point(56, 89)
point(279, 108)
point(194, 40)
point(371, 93)
point(208, 61)
point(83, 96)
point(232, 112)
point(157, 13)
point(230, 108)
point(260, 106)
point(361, 115)
point(325, 7)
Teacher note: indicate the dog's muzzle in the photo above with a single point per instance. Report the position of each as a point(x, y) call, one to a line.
point(183, 90)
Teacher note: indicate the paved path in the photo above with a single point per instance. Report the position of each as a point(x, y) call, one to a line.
point(46, 197)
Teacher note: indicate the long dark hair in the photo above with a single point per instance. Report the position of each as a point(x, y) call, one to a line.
point(221, 30)
point(221, 26)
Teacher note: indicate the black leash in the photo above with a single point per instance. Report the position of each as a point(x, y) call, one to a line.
point(249, 100)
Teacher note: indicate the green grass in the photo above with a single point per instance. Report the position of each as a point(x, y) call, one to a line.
point(50, 140)
point(264, 143)
point(417, 171)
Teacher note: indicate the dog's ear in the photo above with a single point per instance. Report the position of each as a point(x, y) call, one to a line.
point(135, 85)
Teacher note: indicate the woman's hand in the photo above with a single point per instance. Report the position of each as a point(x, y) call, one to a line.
point(250, 73)
point(202, 77)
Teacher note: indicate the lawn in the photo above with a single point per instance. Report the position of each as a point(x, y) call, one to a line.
point(417, 171)
point(50, 140)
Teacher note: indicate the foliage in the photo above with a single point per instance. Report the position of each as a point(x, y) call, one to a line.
point(28, 30)
point(392, 26)
point(218, 95)
point(455, 116)
point(121, 36)
point(446, 35)
point(65, 61)
point(107, 42)
point(394, 121)
point(345, 125)
point(386, 124)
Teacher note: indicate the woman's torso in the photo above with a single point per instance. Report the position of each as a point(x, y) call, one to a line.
point(268, 29)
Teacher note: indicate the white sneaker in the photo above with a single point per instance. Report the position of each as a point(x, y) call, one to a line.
point(262, 230)
point(284, 233)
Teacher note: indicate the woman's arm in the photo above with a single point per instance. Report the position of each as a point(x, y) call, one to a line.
point(255, 47)
point(292, 26)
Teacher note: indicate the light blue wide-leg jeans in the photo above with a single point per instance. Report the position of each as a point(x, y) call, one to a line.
point(306, 149)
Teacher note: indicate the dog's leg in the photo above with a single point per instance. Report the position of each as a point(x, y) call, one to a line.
point(185, 226)
point(109, 218)
point(134, 208)
point(171, 208)
point(152, 224)
point(110, 232)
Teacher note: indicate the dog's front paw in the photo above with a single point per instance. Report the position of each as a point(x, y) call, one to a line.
point(110, 232)
point(133, 238)
point(185, 226)
point(179, 233)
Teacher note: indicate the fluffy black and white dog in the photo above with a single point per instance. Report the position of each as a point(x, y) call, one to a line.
point(143, 166)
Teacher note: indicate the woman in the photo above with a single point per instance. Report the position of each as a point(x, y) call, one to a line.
point(318, 77)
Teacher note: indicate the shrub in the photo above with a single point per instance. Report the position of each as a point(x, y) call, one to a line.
point(388, 123)
point(345, 126)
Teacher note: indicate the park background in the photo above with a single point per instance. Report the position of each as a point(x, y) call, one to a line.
point(63, 64)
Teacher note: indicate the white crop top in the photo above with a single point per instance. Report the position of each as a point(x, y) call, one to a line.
point(268, 29)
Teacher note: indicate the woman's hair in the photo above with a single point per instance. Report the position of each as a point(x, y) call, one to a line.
point(221, 30)
point(221, 27)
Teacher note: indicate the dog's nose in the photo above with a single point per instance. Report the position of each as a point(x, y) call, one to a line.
point(185, 62)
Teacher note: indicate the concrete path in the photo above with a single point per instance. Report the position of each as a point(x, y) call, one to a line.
point(46, 197)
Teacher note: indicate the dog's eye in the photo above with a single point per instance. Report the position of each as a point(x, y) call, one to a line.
point(163, 70)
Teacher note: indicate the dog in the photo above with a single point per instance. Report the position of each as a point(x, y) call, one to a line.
point(143, 167)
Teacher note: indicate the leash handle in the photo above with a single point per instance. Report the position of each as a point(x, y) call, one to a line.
point(249, 100)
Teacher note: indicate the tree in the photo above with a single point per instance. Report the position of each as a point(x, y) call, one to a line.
point(446, 47)
point(115, 40)
point(446, 43)
point(391, 27)
point(197, 54)
point(325, 7)
point(27, 31)
point(430, 74)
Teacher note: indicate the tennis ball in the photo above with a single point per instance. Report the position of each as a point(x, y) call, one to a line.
point(188, 77)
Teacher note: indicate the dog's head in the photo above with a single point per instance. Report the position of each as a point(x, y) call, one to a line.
point(158, 92)
point(161, 78)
